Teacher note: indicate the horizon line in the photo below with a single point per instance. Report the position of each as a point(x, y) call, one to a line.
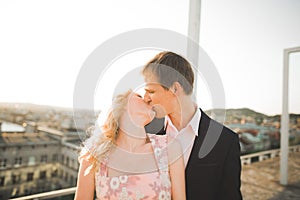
point(72, 108)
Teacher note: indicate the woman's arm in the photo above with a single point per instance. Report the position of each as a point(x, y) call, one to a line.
point(177, 170)
point(85, 182)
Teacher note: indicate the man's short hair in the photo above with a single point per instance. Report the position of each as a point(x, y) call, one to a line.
point(169, 67)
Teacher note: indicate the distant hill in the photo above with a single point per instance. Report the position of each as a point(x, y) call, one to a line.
point(238, 113)
point(245, 111)
point(231, 114)
point(44, 115)
point(32, 107)
point(35, 107)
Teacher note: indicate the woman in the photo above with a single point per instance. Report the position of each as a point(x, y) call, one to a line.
point(123, 162)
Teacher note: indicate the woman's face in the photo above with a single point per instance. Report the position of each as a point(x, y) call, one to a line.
point(140, 112)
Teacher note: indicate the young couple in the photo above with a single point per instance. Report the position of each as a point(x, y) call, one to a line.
point(125, 161)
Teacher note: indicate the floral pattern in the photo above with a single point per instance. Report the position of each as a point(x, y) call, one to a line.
point(155, 185)
point(114, 183)
point(164, 195)
point(123, 179)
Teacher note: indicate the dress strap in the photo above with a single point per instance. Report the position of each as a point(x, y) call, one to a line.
point(160, 147)
point(103, 167)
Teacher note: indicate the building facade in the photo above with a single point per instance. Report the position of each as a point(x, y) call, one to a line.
point(35, 160)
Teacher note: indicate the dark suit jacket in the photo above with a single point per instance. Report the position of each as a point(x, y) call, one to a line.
point(214, 167)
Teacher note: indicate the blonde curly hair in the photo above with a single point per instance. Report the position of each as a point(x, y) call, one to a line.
point(101, 141)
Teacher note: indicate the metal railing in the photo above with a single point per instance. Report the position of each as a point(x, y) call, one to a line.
point(48, 195)
point(246, 159)
point(263, 155)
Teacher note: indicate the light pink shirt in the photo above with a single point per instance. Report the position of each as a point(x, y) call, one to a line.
point(185, 136)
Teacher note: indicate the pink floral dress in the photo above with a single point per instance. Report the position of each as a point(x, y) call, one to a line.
point(155, 185)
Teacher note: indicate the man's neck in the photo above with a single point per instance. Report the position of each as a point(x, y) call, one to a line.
point(183, 115)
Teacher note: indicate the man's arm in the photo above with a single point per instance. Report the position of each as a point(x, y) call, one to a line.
point(231, 180)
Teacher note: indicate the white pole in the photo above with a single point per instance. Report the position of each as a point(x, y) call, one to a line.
point(194, 35)
point(284, 137)
point(284, 143)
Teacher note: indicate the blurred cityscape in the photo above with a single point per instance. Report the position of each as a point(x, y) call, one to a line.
point(40, 144)
point(257, 131)
point(39, 148)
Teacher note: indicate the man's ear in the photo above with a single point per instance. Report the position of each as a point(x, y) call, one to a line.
point(176, 88)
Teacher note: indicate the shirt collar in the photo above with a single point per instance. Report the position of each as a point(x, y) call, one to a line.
point(194, 122)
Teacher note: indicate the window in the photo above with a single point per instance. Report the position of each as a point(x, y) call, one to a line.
point(27, 191)
point(67, 163)
point(18, 161)
point(73, 163)
point(31, 160)
point(44, 158)
point(66, 177)
point(15, 192)
point(29, 176)
point(16, 178)
point(3, 163)
point(55, 157)
point(2, 180)
point(42, 174)
point(54, 173)
point(72, 180)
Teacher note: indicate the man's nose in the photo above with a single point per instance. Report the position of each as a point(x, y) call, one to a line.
point(147, 98)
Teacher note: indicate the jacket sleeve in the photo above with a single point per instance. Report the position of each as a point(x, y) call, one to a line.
point(231, 179)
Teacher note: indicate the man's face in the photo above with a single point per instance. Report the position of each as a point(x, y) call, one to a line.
point(158, 97)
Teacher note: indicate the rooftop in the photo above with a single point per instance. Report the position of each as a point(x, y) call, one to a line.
point(11, 127)
point(11, 139)
point(260, 180)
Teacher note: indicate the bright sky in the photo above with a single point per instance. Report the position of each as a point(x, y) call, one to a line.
point(43, 45)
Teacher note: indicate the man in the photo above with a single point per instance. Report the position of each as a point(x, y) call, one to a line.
point(211, 151)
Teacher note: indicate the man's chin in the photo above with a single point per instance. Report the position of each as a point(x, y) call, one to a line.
point(160, 115)
point(159, 111)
